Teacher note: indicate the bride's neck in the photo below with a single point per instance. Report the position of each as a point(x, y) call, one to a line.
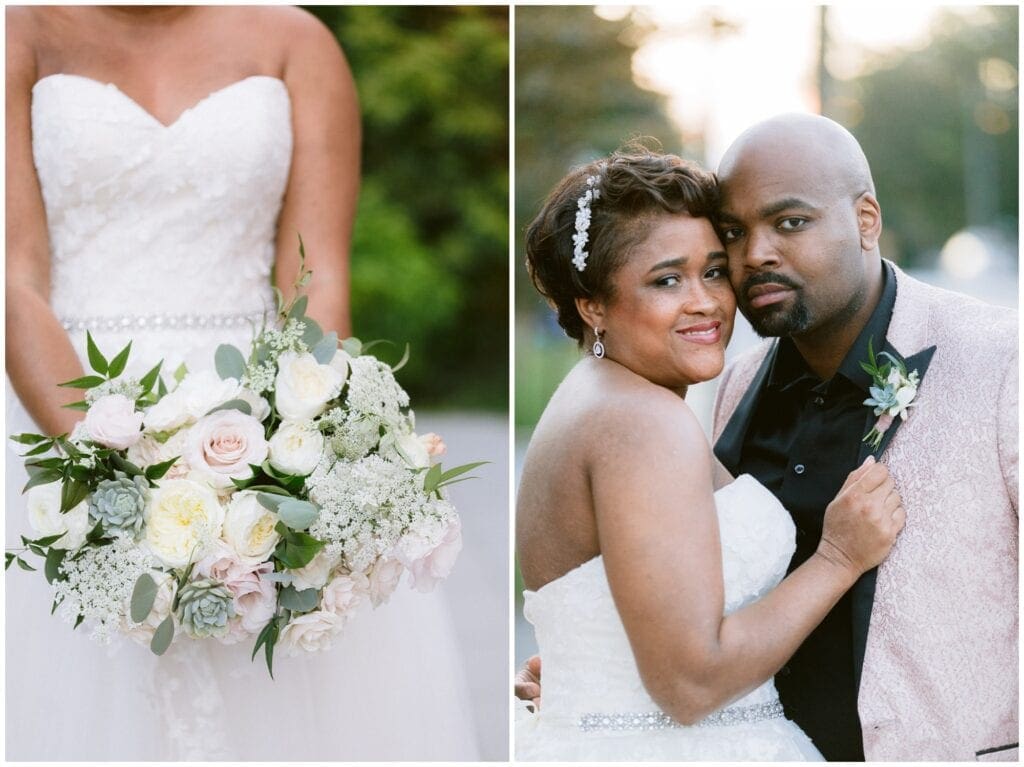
point(146, 14)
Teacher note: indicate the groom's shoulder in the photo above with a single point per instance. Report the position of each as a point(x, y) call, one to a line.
point(960, 321)
point(740, 370)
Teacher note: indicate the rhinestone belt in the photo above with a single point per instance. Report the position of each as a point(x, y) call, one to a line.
point(163, 321)
point(659, 720)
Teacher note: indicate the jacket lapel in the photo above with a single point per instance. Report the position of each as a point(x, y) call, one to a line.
point(729, 447)
point(907, 330)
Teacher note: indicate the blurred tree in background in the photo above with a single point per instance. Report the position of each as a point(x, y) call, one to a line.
point(430, 248)
point(939, 126)
point(575, 100)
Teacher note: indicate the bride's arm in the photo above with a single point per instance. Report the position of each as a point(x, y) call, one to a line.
point(320, 199)
point(39, 353)
point(659, 537)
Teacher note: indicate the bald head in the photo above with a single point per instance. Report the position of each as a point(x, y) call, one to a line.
point(815, 148)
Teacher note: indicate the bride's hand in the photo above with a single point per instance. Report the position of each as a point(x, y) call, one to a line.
point(528, 682)
point(862, 523)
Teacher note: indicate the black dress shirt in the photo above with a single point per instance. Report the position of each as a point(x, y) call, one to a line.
point(802, 441)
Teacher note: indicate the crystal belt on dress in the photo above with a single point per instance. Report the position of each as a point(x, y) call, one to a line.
point(659, 720)
point(163, 321)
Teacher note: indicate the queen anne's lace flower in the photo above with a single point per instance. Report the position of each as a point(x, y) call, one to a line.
point(366, 506)
point(127, 387)
point(99, 583)
point(373, 390)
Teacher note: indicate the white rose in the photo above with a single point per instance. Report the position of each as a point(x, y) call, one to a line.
point(296, 448)
point(344, 594)
point(260, 407)
point(183, 521)
point(45, 518)
point(167, 587)
point(315, 574)
point(223, 444)
point(149, 450)
point(303, 386)
point(340, 362)
point(383, 579)
point(168, 414)
point(311, 632)
point(430, 557)
point(413, 451)
point(249, 528)
point(113, 422)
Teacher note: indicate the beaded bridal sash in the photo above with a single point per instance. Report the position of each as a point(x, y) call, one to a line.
point(659, 720)
point(194, 321)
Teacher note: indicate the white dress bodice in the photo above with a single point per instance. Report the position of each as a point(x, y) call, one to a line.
point(151, 225)
point(589, 672)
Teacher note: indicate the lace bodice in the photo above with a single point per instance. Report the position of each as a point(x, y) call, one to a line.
point(154, 221)
point(588, 663)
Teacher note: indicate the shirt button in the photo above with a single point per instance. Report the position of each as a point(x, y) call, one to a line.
point(819, 400)
point(799, 468)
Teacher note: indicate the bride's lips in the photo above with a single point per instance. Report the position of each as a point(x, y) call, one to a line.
point(766, 294)
point(704, 333)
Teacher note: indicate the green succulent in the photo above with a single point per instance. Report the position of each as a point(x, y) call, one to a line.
point(205, 607)
point(119, 504)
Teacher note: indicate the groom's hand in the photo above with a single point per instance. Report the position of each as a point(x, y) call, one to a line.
point(528, 682)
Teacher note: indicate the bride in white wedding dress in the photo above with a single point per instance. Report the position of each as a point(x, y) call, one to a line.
point(655, 581)
point(160, 162)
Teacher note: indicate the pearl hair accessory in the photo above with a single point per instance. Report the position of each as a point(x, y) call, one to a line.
point(582, 236)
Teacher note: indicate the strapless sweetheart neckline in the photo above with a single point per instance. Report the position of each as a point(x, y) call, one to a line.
point(211, 96)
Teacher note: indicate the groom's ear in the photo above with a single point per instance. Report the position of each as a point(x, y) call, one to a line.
point(869, 221)
point(591, 310)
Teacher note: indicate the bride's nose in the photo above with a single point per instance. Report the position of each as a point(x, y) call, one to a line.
point(701, 300)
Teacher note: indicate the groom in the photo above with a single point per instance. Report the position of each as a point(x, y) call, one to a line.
point(919, 660)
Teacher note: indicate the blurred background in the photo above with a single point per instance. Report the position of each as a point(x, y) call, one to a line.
point(931, 93)
point(430, 268)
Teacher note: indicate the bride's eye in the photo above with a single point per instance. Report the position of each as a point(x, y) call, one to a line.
point(716, 273)
point(668, 281)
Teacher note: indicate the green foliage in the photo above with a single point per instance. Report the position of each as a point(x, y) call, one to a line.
point(430, 247)
point(942, 145)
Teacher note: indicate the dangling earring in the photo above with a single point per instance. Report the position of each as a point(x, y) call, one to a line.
point(598, 348)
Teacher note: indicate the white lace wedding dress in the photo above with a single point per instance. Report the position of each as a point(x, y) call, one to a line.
point(594, 706)
point(164, 235)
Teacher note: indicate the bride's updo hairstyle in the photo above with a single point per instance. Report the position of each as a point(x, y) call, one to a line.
point(633, 185)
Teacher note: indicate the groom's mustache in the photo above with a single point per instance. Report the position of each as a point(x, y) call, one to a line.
point(764, 278)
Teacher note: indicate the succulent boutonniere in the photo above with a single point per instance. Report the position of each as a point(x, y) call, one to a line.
point(892, 393)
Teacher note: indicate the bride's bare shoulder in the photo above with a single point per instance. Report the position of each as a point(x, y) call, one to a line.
point(298, 31)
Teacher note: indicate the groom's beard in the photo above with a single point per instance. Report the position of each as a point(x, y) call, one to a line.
point(775, 320)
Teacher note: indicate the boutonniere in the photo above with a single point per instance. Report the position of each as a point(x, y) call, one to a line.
point(892, 394)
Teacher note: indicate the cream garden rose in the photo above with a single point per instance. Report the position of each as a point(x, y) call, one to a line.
point(296, 448)
point(113, 422)
point(315, 574)
point(431, 558)
point(196, 395)
point(183, 521)
point(303, 386)
point(249, 528)
point(311, 632)
point(223, 444)
point(45, 518)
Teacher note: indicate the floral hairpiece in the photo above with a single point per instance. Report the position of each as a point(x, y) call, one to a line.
point(582, 236)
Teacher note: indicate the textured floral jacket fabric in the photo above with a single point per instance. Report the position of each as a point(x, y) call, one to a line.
point(940, 674)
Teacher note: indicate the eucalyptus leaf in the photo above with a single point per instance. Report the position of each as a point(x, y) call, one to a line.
point(269, 501)
point(96, 359)
point(298, 310)
point(296, 549)
point(297, 514)
point(54, 559)
point(233, 404)
point(119, 362)
point(325, 349)
point(229, 362)
point(353, 346)
point(143, 597)
point(298, 601)
point(313, 333)
point(162, 636)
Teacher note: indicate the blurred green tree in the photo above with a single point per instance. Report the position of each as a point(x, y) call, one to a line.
point(430, 248)
point(575, 100)
point(940, 127)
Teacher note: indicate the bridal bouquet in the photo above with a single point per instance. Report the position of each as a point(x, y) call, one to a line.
point(265, 501)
